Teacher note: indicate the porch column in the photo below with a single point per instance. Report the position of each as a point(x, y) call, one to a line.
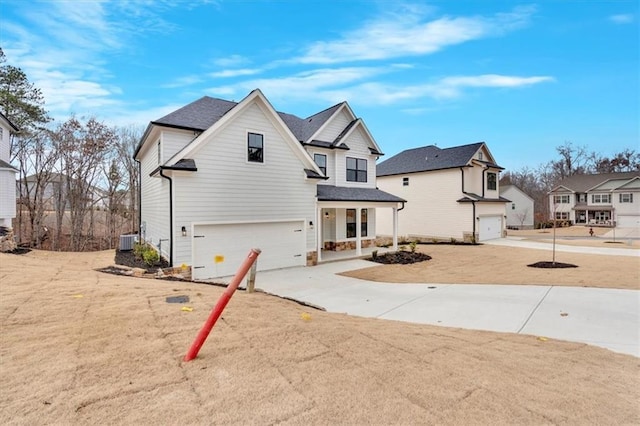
point(358, 231)
point(319, 230)
point(395, 228)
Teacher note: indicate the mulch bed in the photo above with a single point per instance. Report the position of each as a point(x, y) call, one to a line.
point(127, 258)
point(552, 265)
point(400, 257)
point(19, 250)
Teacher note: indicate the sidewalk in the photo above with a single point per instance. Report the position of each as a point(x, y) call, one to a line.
point(608, 318)
point(525, 243)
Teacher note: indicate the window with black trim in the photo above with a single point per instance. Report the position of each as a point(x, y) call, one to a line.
point(513, 206)
point(356, 169)
point(351, 223)
point(321, 161)
point(626, 198)
point(255, 145)
point(405, 181)
point(492, 181)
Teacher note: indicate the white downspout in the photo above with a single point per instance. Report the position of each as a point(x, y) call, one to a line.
point(358, 231)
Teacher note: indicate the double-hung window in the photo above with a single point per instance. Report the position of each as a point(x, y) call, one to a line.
point(405, 181)
point(601, 198)
point(356, 169)
point(492, 179)
point(352, 225)
point(560, 199)
point(626, 198)
point(255, 148)
point(321, 161)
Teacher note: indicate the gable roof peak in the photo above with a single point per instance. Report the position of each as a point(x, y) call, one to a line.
point(428, 158)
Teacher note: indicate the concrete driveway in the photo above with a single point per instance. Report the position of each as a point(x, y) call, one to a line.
point(608, 318)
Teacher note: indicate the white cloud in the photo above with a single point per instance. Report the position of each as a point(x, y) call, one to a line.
point(335, 85)
point(407, 34)
point(313, 84)
point(231, 61)
point(183, 81)
point(235, 73)
point(625, 18)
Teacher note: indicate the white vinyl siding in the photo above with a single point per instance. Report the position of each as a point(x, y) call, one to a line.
point(358, 148)
point(174, 140)
point(226, 188)
point(334, 127)
point(522, 214)
point(155, 202)
point(432, 209)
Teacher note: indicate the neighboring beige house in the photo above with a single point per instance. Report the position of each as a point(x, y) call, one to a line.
point(520, 209)
point(7, 174)
point(451, 193)
point(220, 177)
point(606, 199)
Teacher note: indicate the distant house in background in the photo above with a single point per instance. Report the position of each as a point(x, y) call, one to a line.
point(451, 193)
point(607, 199)
point(53, 188)
point(521, 208)
point(7, 174)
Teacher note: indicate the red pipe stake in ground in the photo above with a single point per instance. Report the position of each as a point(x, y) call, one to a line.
point(222, 302)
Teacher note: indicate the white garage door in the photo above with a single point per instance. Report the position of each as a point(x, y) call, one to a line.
point(490, 228)
point(628, 221)
point(218, 250)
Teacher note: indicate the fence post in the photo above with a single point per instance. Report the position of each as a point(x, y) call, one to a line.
point(251, 278)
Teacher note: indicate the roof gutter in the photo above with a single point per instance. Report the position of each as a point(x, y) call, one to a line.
point(170, 215)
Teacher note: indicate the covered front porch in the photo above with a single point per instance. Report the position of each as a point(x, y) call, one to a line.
point(346, 219)
point(594, 216)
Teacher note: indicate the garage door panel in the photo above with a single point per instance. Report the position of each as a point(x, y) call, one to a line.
point(490, 228)
point(628, 221)
point(283, 244)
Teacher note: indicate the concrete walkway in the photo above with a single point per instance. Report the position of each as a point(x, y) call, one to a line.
point(608, 318)
point(525, 243)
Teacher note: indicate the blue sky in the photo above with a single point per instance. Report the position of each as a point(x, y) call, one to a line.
point(523, 77)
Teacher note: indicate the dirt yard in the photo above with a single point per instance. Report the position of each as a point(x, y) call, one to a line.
point(487, 264)
point(83, 347)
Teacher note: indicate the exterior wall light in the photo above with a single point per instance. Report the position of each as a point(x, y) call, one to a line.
point(184, 231)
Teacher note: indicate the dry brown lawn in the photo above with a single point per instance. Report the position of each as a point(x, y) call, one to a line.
point(83, 347)
point(487, 264)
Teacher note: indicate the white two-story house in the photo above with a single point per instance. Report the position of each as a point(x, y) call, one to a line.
point(606, 199)
point(220, 177)
point(452, 193)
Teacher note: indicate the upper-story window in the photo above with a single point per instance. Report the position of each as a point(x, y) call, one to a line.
point(601, 198)
point(356, 169)
point(405, 181)
point(560, 199)
point(492, 181)
point(255, 146)
point(513, 206)
point(582, 198)
point(321, 161)
point(626, 198)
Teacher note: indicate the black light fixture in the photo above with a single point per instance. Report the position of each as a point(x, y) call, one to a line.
point(184, 231)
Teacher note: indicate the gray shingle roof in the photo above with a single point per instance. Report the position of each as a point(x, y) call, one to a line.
point(206, 111)
point(5, 165)
point(581, 183)
point(199, 115)
point(340, 193)
point(428, 158)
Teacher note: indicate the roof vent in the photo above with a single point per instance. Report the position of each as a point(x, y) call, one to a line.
point(426, 158)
